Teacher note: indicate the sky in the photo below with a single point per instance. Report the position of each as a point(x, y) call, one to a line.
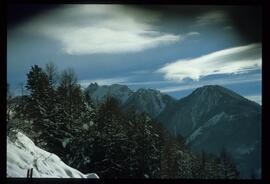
point(174, 49)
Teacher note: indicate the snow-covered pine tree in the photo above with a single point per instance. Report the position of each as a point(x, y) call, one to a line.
point(83, 142)
point(131, 164)
point(149, 146)
point(166, 155)
point(72, 111)
point(111, 146)
point(40, 106)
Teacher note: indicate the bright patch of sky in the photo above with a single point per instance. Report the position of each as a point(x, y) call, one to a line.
point(139, 47)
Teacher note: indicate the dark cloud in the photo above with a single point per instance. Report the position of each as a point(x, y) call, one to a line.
point(245, 20)
point(19, 13)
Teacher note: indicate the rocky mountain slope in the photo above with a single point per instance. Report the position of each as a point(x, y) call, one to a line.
point(143, 100)
point(99, 94)
point(148, 100)
point(213, 118)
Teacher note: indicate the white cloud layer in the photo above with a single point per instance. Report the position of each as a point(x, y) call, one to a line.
point(224, 81)
point(213, 17)
point(228, 61)
point(91, 29)
point(255, 98)
point(91, 40)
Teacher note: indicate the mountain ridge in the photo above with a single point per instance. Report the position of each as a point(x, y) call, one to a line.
point(211, 118)
point(147, 100)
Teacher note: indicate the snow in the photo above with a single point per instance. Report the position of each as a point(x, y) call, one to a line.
point(91, 123)
point(211, 122)
point(195, 134)
point(65, 142)
point(245, 149)
point(85, 126)
point(23, 154)
point(146, 175)
point(215, 119)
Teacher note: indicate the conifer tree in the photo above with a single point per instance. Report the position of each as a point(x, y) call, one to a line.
point(228, 168)
point(39, 107)
point(110, 147)
point(72, 112)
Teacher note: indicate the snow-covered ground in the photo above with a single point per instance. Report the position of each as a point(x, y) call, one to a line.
point(23, 154)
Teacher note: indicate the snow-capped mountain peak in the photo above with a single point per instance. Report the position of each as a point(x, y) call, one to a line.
point(150, 101)
point(101, 93)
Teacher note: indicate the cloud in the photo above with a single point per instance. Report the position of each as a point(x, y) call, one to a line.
point(228, 27)
point(138, 83)
point(105, 40)
point(228, 61)
point(139, 72)
point(256, 98)
point(213, 17)
point(223, 81)
point(193, 33)
point(120, 80)
point(92, 29)
point(104, 81)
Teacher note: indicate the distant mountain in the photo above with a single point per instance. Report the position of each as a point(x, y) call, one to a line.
point(143, 100)
point(148, 100)
point(210, 118)
point(99, 94)
point(213, 117)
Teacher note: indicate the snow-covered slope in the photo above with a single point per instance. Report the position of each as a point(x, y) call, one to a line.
point(23, 154)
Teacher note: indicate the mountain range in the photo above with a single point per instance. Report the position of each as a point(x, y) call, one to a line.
point(143, 100)
point(211, 118)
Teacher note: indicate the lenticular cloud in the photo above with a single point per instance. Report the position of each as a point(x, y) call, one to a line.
point(228, 61)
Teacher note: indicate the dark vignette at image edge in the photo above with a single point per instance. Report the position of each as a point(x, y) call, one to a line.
point(265, 107)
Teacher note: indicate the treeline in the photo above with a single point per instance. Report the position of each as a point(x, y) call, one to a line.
point(60, 118)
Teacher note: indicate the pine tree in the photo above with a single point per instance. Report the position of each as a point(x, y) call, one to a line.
point(202, 166)
point(131, 164)
point(166, 155)
point(82, 155)
point(9, 107)
point(72, 112)
point(226, 167)
point(52, 73)
point(252, 174)
point(110, 147)
point(40, 107)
